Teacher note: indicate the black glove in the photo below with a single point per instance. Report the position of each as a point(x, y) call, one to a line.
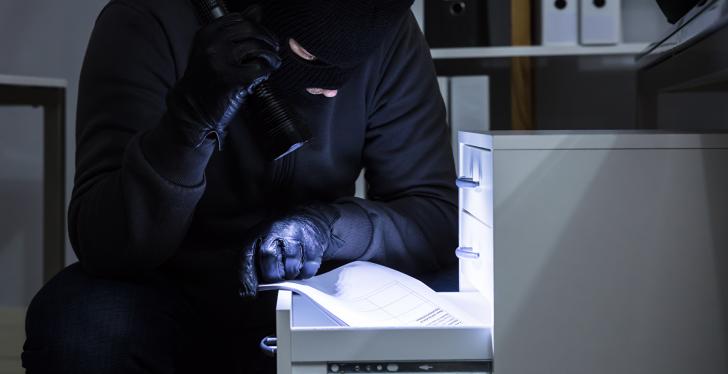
point(292, 247)
point(229, 58)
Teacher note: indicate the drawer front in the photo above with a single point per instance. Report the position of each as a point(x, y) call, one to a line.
point(476, 183)
point(476, 256)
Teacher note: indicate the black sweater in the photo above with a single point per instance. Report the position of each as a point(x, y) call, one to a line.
point(134, 209)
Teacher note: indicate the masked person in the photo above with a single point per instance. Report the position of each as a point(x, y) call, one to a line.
point(175, 210)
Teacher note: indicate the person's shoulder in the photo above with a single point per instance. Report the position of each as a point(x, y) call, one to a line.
point(153, 6)
point(405, 38)
point(167, 12)
point(408, 28)
point(176, 20)
point(404, 31)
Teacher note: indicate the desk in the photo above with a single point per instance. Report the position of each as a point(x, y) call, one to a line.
point(51, 95)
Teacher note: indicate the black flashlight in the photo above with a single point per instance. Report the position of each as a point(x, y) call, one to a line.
point(279, 131)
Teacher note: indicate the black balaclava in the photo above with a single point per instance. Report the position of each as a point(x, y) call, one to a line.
point(342, 34)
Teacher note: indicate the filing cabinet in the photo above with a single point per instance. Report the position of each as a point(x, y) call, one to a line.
point(608, 249)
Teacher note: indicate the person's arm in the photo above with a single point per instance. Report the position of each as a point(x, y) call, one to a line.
point(124, 216)
point(144, 139)
point(410, 219)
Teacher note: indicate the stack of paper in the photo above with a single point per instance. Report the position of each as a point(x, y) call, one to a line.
point(363, 294)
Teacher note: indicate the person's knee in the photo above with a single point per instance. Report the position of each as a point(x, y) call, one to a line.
point(84, 324)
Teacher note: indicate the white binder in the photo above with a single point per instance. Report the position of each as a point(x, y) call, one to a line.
point(600, 22)
point(558, 22)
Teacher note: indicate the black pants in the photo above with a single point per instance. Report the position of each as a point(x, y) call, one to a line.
point(81, 324)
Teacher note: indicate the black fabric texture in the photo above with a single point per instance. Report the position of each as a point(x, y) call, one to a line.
point(132, 213)
point(80, 324)
point(188, 168)
point(341, 34)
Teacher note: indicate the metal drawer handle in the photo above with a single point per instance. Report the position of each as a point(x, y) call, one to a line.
point(269, 346)
point(467, 183)
point(467, 253)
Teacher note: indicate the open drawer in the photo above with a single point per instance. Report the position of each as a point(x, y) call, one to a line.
point(308, 341)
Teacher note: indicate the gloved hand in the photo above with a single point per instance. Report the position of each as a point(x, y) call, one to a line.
point(229, 58)
point(292, 247)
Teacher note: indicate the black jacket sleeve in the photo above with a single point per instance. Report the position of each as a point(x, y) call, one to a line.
point(128, 214)
point(410, 219)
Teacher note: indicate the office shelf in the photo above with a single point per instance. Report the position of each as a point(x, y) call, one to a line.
point(22, 81)
point(537, 51)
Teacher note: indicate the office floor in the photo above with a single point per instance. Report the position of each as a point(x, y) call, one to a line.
point(12, 336)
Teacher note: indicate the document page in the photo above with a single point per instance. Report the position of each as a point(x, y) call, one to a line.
point(363, 294)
